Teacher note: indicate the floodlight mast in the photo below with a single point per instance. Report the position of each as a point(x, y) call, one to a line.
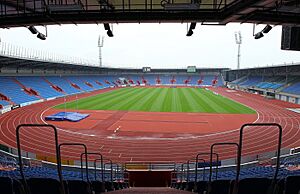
point(100, 45)
point(238, 41)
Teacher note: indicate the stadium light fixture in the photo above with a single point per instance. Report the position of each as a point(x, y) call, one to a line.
point(190, 33)
point(33, 30)
point(267, 29)
point(258, 35)
point(190, 30)
point(41, 36)
point(109, 31)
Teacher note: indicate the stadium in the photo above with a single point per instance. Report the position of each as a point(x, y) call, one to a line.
point(69, 127)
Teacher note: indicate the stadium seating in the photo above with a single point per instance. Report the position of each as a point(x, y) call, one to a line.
point(293, 89)
point(38, 84)
point(289, 85)
point(200, 187)
point(251, 81)
point(14, 91)
point(239, 80)
point(4, 102)
point(44, 185)
point(268, 85)
point(80, 82)
point(254, 186)
point(292, 185)
point(98, 187)
point(6, 185)
point(11, 186)
point(63, 84)
point(78, 187)
point(253, 180)
point(220, 187)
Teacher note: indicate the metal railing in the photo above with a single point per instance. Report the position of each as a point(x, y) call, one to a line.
point(58, 158)
point(197, 161)
point(86, 157)
point(8, 8)
point(20, 52)
point(95, 162)
point(239, 157)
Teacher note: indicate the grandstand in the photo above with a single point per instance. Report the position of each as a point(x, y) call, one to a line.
point(280, 82)
point(37, 93)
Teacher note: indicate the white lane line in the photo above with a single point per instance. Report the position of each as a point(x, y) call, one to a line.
point(117, 129)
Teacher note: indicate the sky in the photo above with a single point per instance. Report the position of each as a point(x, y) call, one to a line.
point(159, 45)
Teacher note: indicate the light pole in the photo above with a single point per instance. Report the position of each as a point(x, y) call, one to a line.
point(65, 106)
point(238, 41)
point(76, 102)
point(0, 47)
point(100, 45)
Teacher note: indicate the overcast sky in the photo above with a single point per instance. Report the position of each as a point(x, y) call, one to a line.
point(159, 45)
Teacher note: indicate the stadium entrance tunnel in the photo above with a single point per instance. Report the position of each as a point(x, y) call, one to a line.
point(143, 178)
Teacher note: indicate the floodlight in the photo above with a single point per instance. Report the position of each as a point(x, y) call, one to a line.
point(32, 29)
point(258, 35)
point(267, 29)
point(41, 36)
point(190, 33)
point(109, 33)
point(191, 28)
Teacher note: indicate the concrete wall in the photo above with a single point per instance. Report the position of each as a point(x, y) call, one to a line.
point(288, 98)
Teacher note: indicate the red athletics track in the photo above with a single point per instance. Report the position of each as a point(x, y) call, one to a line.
point(136, 125)
point(151, 145)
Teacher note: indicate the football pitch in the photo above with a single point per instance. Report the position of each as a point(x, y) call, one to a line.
point(160, 100)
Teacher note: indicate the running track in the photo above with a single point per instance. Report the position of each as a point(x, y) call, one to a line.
point(257, 140)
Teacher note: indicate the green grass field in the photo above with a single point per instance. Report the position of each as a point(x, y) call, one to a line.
point(160, 100)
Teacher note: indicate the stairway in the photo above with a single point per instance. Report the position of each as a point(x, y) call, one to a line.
point(28, 91)
point(55, 87)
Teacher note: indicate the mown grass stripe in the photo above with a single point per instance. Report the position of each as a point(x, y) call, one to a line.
point(230, 105)
point(137, 103)
point(167, 101)
point(220, 102)
point(160, 100)
point(99, 104)
point(190, 104)
point(106, 105)
point(176, 104)
point(88, 102)
point(150, 100)
point(199, 98)
point(211, 103)
point(127, 102)
point(239, 108)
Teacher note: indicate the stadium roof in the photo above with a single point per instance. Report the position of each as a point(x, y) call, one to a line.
point(279, 66)
point(46, 12)
point(9, 62)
